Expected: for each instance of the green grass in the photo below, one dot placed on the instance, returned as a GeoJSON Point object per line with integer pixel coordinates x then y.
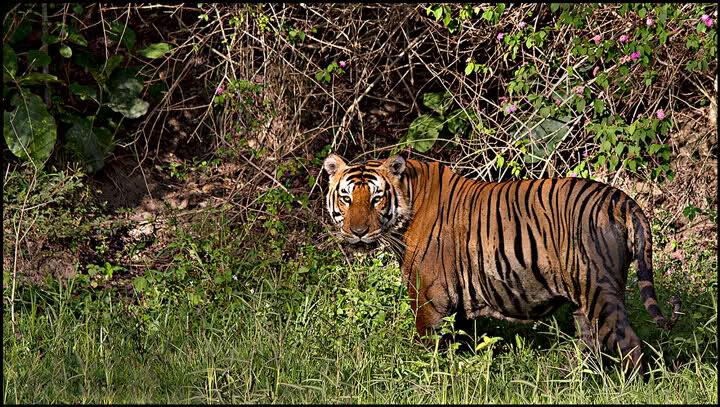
{"type": "Point", "coordinates": [318, 330]}
{"type": "Point", "coordinates": [240, 315]}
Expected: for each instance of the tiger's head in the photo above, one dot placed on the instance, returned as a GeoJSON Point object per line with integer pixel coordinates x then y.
{"type": "Point", "coordinates": [367, 201]}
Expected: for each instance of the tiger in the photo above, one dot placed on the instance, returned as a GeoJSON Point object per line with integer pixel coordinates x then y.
{"type": "Point", "coordinates": [513, 250]}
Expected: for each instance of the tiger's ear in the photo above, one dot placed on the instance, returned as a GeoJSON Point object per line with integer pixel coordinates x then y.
{"type": "Point", "coordinates": [395, 164]}
{"type": "Point", "coordinates": [333, 163]}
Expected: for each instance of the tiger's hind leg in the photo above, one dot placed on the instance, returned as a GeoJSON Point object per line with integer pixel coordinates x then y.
{"type": "Point", "coordinates": [614, 330]}
{"type": "Point", "coordinates": [586, 331]}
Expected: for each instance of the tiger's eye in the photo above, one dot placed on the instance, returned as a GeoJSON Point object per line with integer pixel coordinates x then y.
{"type": "Point", "coordinates": [345, 200]}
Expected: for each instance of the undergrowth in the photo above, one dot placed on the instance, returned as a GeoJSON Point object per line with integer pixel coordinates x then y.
{"type": "Point", "coordinates": [221, 326]}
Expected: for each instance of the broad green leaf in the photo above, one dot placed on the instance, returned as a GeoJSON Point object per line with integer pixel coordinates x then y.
{"type": "Point", "coordinates": [545, 137]}
{"type": "Point", "coordinates": [423, 132]}
{"type": "Point", "coordinates": [469, 68]}
{"type": "Point", "coordinates": [156, 50]}
{"type": "Point", "coordinates": [30, 131]}
{"type": "Point", "coordinates": [124, 89]}
{"type": "Point", "coordinates": [65, 51]}
{"type": "Point", "coordinates": [33, 78]}
{"type": "Point", "coordinates": [9, 63]}
{"type": "Point", "coordinates": [83, 91]}
{"type": "Point", "coordinates": [88, 146]}
{"type": "Point", "coordinates": [38, 58]}
{"type": "Point", "coordinates": [439, 102]}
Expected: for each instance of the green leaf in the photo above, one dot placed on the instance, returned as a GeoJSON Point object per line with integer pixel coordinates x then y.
{"type": "Point", "coordinates": [605, 146]}
{"type": "Point", "coordinates": [66, 51]}
{"type": "Point", "coordinates": [457, 121]}
{"type": "Point", "coordinates": [544, 138]}
{"type": "Point", "coordinates": [33, 78]}
{"type": "Point", "coordinates": [439, 102]}
{"type": "Point", "coordinates": [49, 39]}
{"type": "Point", "coordinates": [74, 36]}
{"type": "Point", "coordinates": [124, 89]}
{"type": "Point", "coordinates": [423, 132]}
{"type": "Point", "coordinates": [123, 34]}
{"type": "Point", "coordinates": [87, 146]}
{"type": "Point", "coordinates": [469, 68]}
{"type": "Point", "coordinates": [78, 9]}
{"type": "Point", "coordinates": [83, 91]}
{"type": "Point", "coordinates": [631, 128]}
{"type": "Point", "coordinates": [580, 104]}
{"type": "Point", "coordinates": [599, 106]}
{"type": "Point", "coordinates": [140, 283]}
{"type": "Point", "coordinates": [38, 58]}
{"type": "Point", "coordinates": [619, 148]}
{"type": "Point", "coordinates": [156, 50]}
{"type": "Point", "coordinates": [438, 13]}
{"type": "Point", "coordinates": [9, 62]}
{"type": "Point", "coordinates": [30, 131]}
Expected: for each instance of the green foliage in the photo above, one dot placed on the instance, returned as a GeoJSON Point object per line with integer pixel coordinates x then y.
{"type": "Point", "coordinates": [324, 75]}
{"type": "Point", "coordinates": [32, 130]}
{"type": "Point", "coordinates": [426, 128]}
{"type": "Point", "coordinates": [633, 146]}
{"type": "Point", "coordinates": [156, 50]}
{"type": "Point", "coordinates": [90, 146]}
{"type": "Point", "coordinates": [29, 130]}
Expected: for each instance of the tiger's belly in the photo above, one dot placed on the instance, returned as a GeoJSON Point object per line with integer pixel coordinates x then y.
{"type": "Point", "coordinates": [515, 295]}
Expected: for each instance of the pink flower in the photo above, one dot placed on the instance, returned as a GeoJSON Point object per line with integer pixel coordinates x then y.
{"type": "Point", "coordinates": [579, 90]}
{"type": "Point", "coordinates": [558, 102]}
{"type": "Point", "coordinates": [597, 39]}
{"type": "Point", "coordinates": [585, 154]}
{"type": "Point", "coordinates": [342, 64]}
{"type": "Point", "coordinates": [649, 22]}
{"type": "Point", "coordinates": [219, 90]}
{"type": "Point", "coordinates": [511, 109]}
{"type": "Point", "coordinates": [660, 114]}
{"type": "Point", "coordinates": [572, 174]}
{"type": "Point", "coordinates": [709, 22]}
{"type": "Point", "coordinates": [522, 25]}
{"type": "Point", "coordinates": [596, 70]}
{"type": "Point", "coordinates": [704, 18]}
{"type": "Point", "coordinates": [624, 38]}
{"type": "Point", "coordinates": [635, 55]}
{"type": "Point", "coordinates": [500, 36]}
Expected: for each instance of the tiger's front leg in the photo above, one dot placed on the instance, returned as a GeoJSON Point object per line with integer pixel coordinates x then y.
{"type": "Point", "coordinates": [428, 302]}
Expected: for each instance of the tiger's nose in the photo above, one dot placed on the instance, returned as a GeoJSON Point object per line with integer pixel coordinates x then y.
{"type": "Point", "coordinates": [360, 230]}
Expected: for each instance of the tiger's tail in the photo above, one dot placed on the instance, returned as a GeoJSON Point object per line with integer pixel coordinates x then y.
{"type": "Point", "coordinates": [642, 242]}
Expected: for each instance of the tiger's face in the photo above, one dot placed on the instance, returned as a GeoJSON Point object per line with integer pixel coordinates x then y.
{"type": "Point", "coordinates": [366, 201]}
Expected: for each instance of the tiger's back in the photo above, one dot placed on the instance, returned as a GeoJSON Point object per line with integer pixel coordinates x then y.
{"type": "Point", "coordinates": [517, 246]}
